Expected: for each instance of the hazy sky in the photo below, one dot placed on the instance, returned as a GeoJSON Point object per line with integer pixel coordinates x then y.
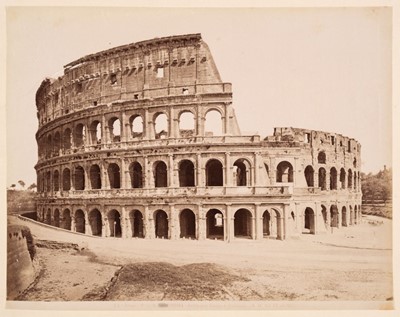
{"type": "Point", "coordinates": [323, 69]}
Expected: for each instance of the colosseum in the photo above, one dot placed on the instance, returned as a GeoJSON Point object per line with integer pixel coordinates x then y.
{"type": "Point", "coordinates": [116, 161]}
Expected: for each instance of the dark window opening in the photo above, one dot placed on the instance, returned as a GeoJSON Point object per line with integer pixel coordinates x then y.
{"type": "Point", "coordinates": [114, 175]}
{"type": "Point", "coordinates": [113, 79]}
{"type": "Point", "coordinates": [242, 223]}
{"type": "Point", "coordinates": [333, 179]}
{"type": "Point", "coordinates": [321, 158]}
{"type": "Point", "coordinates": [187, 222]}
{"type": "Point", "coordinates": [95, 177]}
{"type": "Point", "coordinates": [186, 174]}
{"type": "Point", "coordinates": [322, 178]}
{"type": "Point", "coordinates": [114, 222]}
{"type": "Point", "coordinates": [309, 175]}
{"type": "Point", "coordinates": [160, 174]}
{"type": "Point", "coordinates": [284, 172]}
{"type": "Point", "coordinates": [79, 178]}
{"type": "Point", "coordinates": [96, 223]}
{"type": "Point", "coordinates": [214, 173]}
{"type": "Point", "coordinates": [215, 224]}
{"type": "Point", "coordinates": [161, 224]}
{"type": "Point", "coordinates": [136, 174]}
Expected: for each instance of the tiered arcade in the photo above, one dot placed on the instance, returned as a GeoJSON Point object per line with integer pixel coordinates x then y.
{"type": "Point", "coordinates": [126, 150]}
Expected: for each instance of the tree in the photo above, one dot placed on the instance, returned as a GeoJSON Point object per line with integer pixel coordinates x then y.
{"type": "Point", "coordinates": [13, 186]}
{"type": "Point", "coordinates": [22, 183]}
{"type": "Point", "coordinates": [377, 186]}
{"type": "Point", "coordinates": [32, 186]}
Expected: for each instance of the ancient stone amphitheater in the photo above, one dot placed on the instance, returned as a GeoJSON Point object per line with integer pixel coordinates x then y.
{"type": "Point", "coordinates": [115, 159]}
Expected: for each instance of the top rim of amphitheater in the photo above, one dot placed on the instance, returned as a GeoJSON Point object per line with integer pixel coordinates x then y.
{"type": "Point", "coordinates": [157, 41]}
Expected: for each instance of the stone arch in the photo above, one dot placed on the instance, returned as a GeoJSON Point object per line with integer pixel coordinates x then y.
{"type": "Point", "coordinates": [136, 222]}
{"type": "Point", "coordinates": [309, 175]}
{"type": "Point", "coordinates": [161, 224]}
{"type": "Point", "coordinates": [66, 179]}
{"type": "Point", "coordinates": [214, 173]}
{"type": "Point", "coordinates": [160, 173]}
{"type": "Point", "coordinates": [355, 163]}
{"type": "Point", "coordinates": [215, 224]}
{"type": "Point", "coordinates": [333, 179]}
{"type": "Point", "coordinates": [96, 222]}
{"type": "Point", "coordinates": [186, 173]}
{"type": "Point", "coordinates": [48, 217]}
{"type": "Point", "coordinates": [66, 222]}
{"type": "Point", "coordinates": [213, 122]}
{"type": "Point", "coordinates": [342, 178]}
{"type": "Point", "coordinates": [79, 135]}
{"type": "Point", "coordinates": [95, 176]}
{"type": "Point", "coordinates": [186, 124]}
{"type": "Point", "coordinates": [114, 223]}
{"type": "Point", "coordinates": [114, 175]}
{"type": "Point", "coordinates": [79, 216]}
{"type": "Point", "coordinates": [67, 139]}
{"type": "Point", "coordinates": [95, 132]}
{"type": "Point", "coordinates": [160, 120]}
{"type": "Point", "coordinates": [242, 172]}
{"type": "Point", "coordinates": [349, 179]}
{"type": "Point", "coordinates": [49, 146]}
{"type": "Point", "coordinates": [324, 216]}
{"type": "Point", "coordinates": [321, 157]}
{"type": "Point", "coordinates": [114, 128]}
{"type": "Point", "coordinates": [56, 218]}
{"type": "Point", "coordinates": [187, 223]}
{"type": "Point", "coordinates": [79, 178]}
{"type": "Point", "coordinates": [136, 175]}
{"type": "Point", "coordinates": [284, 172]}
{"type": "Point", "coordinates": [243, 223]}
{"type": "Point", "coordinates": [272, 227]}
{"type": "Point", "coordinates": [322, 178]}
{"type": "Point", "coordinates": [48, 181]}
{"type": "Point", "coordinates": [334, 215]}
{"type": "Point", "coordinates": [57, 143]}
{"type": "Point", "coordinates": [136, 125]}
{"type": "Point", "coordinates": [56, 181]}
{"type": "Point", "coordinates": [309, 221]}
{"type": "Point", "coordinates": [344, 217]}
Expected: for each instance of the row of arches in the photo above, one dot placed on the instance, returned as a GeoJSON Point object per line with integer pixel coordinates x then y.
{"type": "Point", "coordinates": [111, 223]}
{"type": "Point", "coordinates": [349, 179]}
{"type": "Point", "coordinates": [112, 130]}
{"type": "Point", "coordinates": [321, 158]}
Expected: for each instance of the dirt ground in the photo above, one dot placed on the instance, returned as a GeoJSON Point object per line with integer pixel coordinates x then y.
{"type": "Point", "coordinates": [349, 264]}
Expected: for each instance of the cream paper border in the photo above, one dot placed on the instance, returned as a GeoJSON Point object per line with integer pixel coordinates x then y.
{"type": "Point", "coordinates": [216, 308]}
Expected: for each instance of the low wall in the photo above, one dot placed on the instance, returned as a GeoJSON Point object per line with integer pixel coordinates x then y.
{"type": "Point", "coordinates": [20, 271]}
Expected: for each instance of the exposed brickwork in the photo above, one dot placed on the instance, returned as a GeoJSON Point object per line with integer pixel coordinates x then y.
{"type": "Point", "coordinates": [99, 177]}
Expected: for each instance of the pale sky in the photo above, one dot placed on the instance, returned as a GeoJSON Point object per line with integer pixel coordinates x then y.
{"type": "Point", "coordinates": [322, 69]}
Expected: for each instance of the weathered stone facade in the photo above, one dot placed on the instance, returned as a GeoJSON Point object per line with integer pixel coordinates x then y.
{"type": "Point", "coordinates": [104, 169]}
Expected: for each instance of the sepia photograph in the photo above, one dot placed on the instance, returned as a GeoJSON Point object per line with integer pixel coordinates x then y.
{"type": "Point", "coordinates": [199, 158]}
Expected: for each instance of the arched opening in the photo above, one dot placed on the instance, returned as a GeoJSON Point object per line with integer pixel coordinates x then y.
{"type": "Point", "coordinates": [66, 223]}
{"type": "Point", "coordinates": [351, 215]}
{"type": "Point", "coordinates": [136, 221]}
{"type": "Point", "coordinates": [160, 174]}
{"type": "Point", "coordinates": [242, 223]}
{"type": "Point", "coordinates": [114, 223]}
{"type": "Point", "coordinates": [79, 178]}
{"type": "Point", "coordinates": [334, 216]}
{"type": "Point", "coordinates": [214, 173]}
{"type": "Point", "coordinates": [355, 163]}
{"type": "Point", "coordinates": [349, 179]}
{"type": "Point", "coordinates": [136, 175]}
{"type": "Point", "coordinates": [56, 181]}
{"type": "Point", "coordinates": [213, 123]}
{"type": "Point", "coordinates": [57, 143]}
{"type": "Point", "coordinates": [215, 224]}
{"type": "Point", "coordinates": [161, 227]}
{"type": "Point", "coordinates": [272, 224]}
{"type": "Point", "coordinates": [96, 223]}
{"type": "Point", "coordinates": [186, 173]}
{"type": "Point", "coordinates": [324, 215]}
{"type": "Point", "coordinates": [241, 172]}
{"type": "Point", "coordinates": [79, 135]}
{"type": "Point", "coordinates": [344, 217]}
{"type": "Point", "coordinates": [79, 221]}
{"type": "Point", "coordinates": [49, 146]}
{"type": "Point", "coordinates": [66, 181]}
{"type": "Point", "coordinates": [284, 172]}
{"type": "Point", "coordinates": [356, 215]}
{"type": "Point", "coordinates": [95, 132]}
{"type": "Point", "coordinates": [342, 178]}
{"type": "Point", "coordinates": [186, 125]}
{"type": "Point", "coordinates": [136, 124]}
{"type": "Point", "coordinates": [309, 175]}
{"type": "Point", "coordinates": [187, 222]}
{"type": "Point", "coordinates": [48, 217]}
{"type": "Point", "coordinates": [57, 218]}
{"type": "Point", "coordinates": [67, 142]}
{"type": "Point", "coordinates": [160, 126]}
{"type": "Point", "coordinates": [322, 178]}
{"type": "Point", "coordinates": [48, 181]}
{"type": "Point", "coordinates": [95, 177]}
{"type": "Point", "coordinates": [309, 221]}
{"type": "Point", "coordinates": [321, 158]}
{"type": "Point", "coordinates": [114, 175]}
{"type": "Point", "coordinates": [333, 179]}
{"type": "Point", "coordinates": [355, 181]}
{"type": "Point", "coordinates": [114, 127]}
